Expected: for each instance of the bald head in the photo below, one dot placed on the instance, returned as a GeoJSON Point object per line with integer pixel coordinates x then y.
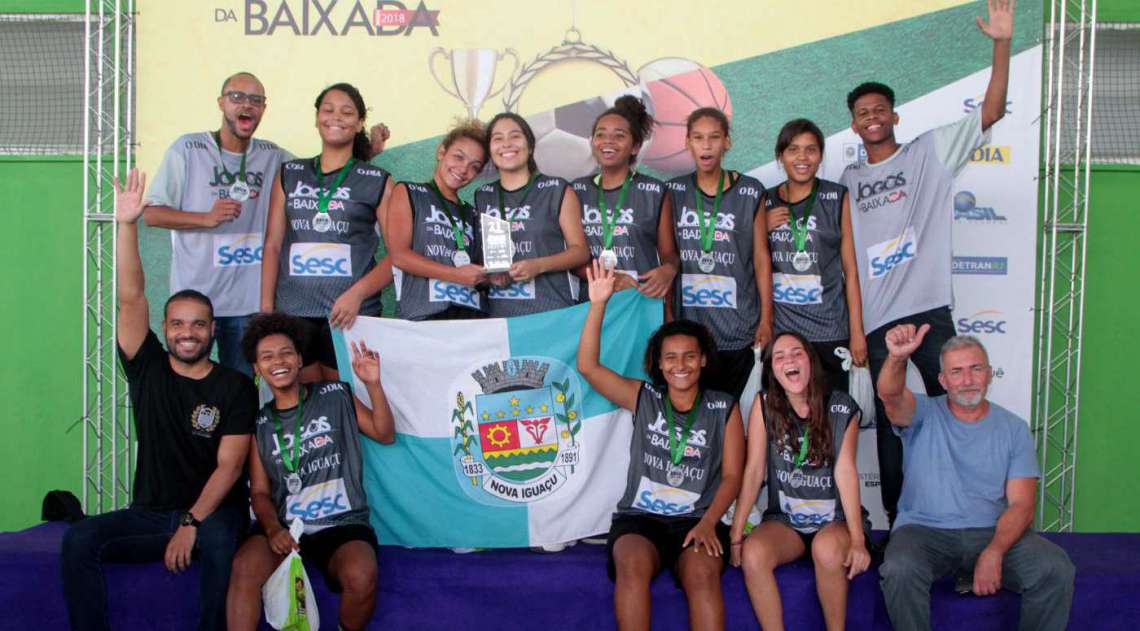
{"type": "Point", "coordinates": [248, 76]}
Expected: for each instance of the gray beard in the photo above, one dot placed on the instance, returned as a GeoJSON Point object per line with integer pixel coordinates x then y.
{"type": "Point", "coordinates": [967, 401]}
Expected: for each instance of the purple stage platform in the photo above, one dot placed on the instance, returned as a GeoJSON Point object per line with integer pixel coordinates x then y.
{"type": "Point", "coordinates": [518, 589]}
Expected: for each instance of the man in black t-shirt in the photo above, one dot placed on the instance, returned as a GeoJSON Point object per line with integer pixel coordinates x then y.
{"type": "Point", "coordinates": [193, 421]}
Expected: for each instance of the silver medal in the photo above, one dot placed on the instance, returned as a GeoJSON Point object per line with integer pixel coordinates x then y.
{"type": "Point", "coordinates": [609, 260]}
{"type": "Point", "coordinates": [293, 483]}
{"type": "Point", "coordinates": [801, 261]}
{"type": "Point", "coordinates": [707, 263]}
{"type": "Point", "coordinates": [675, 475]}
{"type": "Point", "coordinates": [322, 222]}
{"type": "Point", "coordinates": [461, 258]}
{"type": "Point", "coordinates": [239, 190]}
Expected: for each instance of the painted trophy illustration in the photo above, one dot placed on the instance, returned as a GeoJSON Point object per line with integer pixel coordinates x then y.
{"type": "Point", "coordinates": [473, 73]}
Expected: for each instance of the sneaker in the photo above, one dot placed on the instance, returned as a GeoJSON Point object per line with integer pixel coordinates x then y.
{"type": "Point", "coordinates": [553, 547]}
{"type": "Point", "coordinates": [594, 541]}
{"type": "Point", "coordinates": [465, 550]}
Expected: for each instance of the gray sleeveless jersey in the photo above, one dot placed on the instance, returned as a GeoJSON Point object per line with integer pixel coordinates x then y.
{"type": "Point", "coordinates": [331, 465]}
{"type": "Point", "coordinates": [812, 302]}
{"type": "Point", "coordinates": [902, 217]}
{"type": "Point", "coordinates": [536, 233]}
{"type": "Point", "coordinates": [726, 299]}
{"type": "Point", "coordinates": [317, 267]}
{"type": "Point", "coordinates": [223, 262]}
{"type": "Point", "coordinates": [635, 228]}
{"type": "Point", "coordinates": [807, 498]}
{"type": "Point", "coordinates": [648, 489]}
{"type": "Point", "coordinates": [433, 237]}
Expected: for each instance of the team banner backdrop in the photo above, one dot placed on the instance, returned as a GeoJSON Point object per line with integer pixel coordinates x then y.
{"type": "Point", "coordinates": [421, 63]}
{"type": "Point", "coordinates": [499, 441]}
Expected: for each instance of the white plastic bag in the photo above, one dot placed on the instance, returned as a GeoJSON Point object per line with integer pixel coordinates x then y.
{"type": "Point", "coordinates": [288, 596]}
{"type": "Point", "coordinates": [859, 386]}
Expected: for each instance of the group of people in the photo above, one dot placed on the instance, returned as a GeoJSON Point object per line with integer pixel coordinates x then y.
{"type": "Point", "coordinates": [270, 253]}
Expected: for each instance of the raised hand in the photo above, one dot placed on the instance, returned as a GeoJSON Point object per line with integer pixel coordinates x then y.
{"type": "Point", "coordinates": [365, 363]}
{"type": "Point", "coordinates": [1000, 25]}
{"type": "Point", "coordinates": [601, 282]}
{"type": "Point", "coordinates": [377, 137]}
{"type": "Point", "coordinates": [129, 199]}
{"type": "Point", "coordinates": [904, 339]}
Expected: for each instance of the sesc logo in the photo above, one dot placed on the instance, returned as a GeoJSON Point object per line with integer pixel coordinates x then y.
{"type": "Point", "coordinates": [887, 255]}
{"type": "Point", "coordinates": [514, 291]}
{"type": "Point", "coordinates": [988, 321]}
{"type": "Point", "coordinates": [797, 289]}
{"type": "Point", "coordinates": [699, 291]}
{"type": "Point", "coordinates": [966, 209]}
{"type": "Point", "coordinates": [992, 154]}
{"type": "Point", "coordinates": [320, 259]}
{"type": "Point", "coordinates": [661, 499]}
{"type": "Point", "coordinates": [887, 184]}
{"type": "Point", "coordinates": [236, 250]}
{"type": "Point", "coordinates": [971, 104]}
{"type": "Point", "coordinates": [443, 291]}
{"type": "Point", "coordinates": [319, 501]}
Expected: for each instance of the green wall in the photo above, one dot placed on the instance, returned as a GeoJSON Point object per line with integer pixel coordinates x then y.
{"type": "Point", "coordinates": [42, 383]}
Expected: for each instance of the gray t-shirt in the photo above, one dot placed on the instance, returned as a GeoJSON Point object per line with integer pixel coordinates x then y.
{"type": "Point", "coordinates": [954, 473]}
{"type": "Point", "coordinates": [901, 214]}
{"type": "Point", "coordinates": [635, 226]}
{"type": "Point", "coordinates": [317, 267]}
{"type": "Point", "coordinates": [433, 237]}
{"type": "Point", "coordinates": [726, 299]}
{"type": "Point", "coordinates": [536, 233]}
{"type": "Point", "coordinates": [806, 498]}
{"type": "Point", "coordinates": [648, 489]}
{"type": "Point", "coordinates": [223, 262]}
{"type": "Point", "coordinates": [331, 462]}
{"type": "Point", "coordinates": [812, 302]}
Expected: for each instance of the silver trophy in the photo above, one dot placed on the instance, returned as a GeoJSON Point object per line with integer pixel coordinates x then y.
{"type": "Point", "coordinates": [498, 249]}
{"type": "Point", "coordinates": [472, 74]}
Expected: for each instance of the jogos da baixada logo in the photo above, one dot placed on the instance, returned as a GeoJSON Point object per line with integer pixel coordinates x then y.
{"type": "Point", "coordinates": [515, 428]}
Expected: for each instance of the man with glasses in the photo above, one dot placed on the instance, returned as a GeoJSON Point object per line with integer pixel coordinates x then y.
{"type": "Point", "coordinates": [212, 192]}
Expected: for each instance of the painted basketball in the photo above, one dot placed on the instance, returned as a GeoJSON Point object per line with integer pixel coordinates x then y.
{"type": "Point", "coordinates": [678, 86]}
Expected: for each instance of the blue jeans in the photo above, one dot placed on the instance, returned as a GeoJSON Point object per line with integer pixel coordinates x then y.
{"type": "Point", "coordinates": [137, 535]}
{"type": "Point", "coordinates": [228, 338]}
{"type": "Point", "coordinates": [926, 359]}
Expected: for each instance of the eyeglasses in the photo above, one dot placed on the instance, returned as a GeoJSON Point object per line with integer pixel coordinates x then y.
{"type": "Point", "coordinates": [238, 97]}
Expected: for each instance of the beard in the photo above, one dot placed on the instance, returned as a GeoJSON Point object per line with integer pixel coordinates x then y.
{"type": "Point", "coordinates": [203, 351]}
{"type": "Point", "coordinates": [967, 399]}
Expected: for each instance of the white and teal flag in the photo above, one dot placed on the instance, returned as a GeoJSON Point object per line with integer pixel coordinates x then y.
{"type": "Point", "coordinates": [499, 440]}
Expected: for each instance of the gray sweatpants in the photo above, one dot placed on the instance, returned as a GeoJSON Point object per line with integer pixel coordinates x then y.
{"type": "Point", "coordinates": [918, 555]}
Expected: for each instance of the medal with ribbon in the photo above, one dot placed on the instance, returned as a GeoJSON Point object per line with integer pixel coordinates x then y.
{"type": "Point", "coordinates": [676, 474]}
{"type": "Point", "coordinates": [706, 262]}
{"type": "Point", "coordinates": [608, 257]}
{"type": "Point", "coordinates": [321, 221]}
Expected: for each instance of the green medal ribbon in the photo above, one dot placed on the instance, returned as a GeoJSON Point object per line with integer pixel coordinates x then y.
{"type": "Point", "coordinates": [609, 218]}
{"type": "Point", "coordinates": [677, 447]}
{"type": "Point", "coordinates": [290, 458]}
{"type": "Point", "coordinates": [456, 225]}
{"type": "Point", "coordinates": [525, 190]}
{"type": "Point", "coordinates": [799, 226]}
{"type": "Point", "coordinates": [325, 195]}
{"type": "Point", "coordinates": [800, 457]}
{"type": "Point", "coordinates": [225, 171]}
{"type": "Point", "coordinates": [707, 220]}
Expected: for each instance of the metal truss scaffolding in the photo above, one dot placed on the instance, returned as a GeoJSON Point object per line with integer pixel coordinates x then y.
{"type": "Point", "coordinates": [108, 73]}
{"type": "Point", "coordinates": [1070, 46]}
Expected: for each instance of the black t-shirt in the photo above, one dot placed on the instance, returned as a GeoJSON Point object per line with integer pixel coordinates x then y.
{"type": "Point", "coordinates": [179, 424]}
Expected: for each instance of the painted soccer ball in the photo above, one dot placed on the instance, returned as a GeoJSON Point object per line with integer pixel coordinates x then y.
{"type": "Point", "coordinates": [562, 135]}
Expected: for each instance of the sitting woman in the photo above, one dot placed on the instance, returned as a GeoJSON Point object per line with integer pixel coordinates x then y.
{"type": "Point", "coordinates": [803, 439]}
{"type": "Point", "coordinates": [288, 477]}
{"type": "Point", "coordinates": [684, 468]}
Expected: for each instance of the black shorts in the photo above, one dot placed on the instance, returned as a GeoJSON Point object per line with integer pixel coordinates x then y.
{"type": "Point", "coordinates": [319, 343]}
{"type": "Point", "coordinates": [319, 547]}
{"type": "Point", "coordinates": [666, 534]}
{"type": "Point", "coordinates": [808, 537]}
{"type": "Point", "coordinates": [730, 370]}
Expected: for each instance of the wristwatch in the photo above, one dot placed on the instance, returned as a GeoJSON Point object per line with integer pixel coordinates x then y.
{"type": "Point", "coordinates": [187, 519]}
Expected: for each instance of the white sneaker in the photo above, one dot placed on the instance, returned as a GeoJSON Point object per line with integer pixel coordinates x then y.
{"type": "Point", "coordinates": [553, 547]}
{"type": "Point", "coordinates": [594, 541]}
{"type": "Point", "coordinates": [465, 550]}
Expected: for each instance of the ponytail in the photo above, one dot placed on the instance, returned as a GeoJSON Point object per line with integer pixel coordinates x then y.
{"type": "Point", "coordinates": [361, 147]}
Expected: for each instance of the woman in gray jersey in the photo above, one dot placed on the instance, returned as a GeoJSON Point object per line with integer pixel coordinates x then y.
{"type": "Point", "coordinates": [627, 216]}
{"type": "Point", "coordinates": [726, 279]}
{"type": "Point", "coordinates": [434, 237]}
{"type": "Point", "coordinates": [685, 463]}
{"type": "Point", "coordinates": [815, 279]}
{"type": "Point", "coordinates": [546, 225]}
{"type": "Point", "coordinates": [802, 437]}
{"type": "Point", "coordinates": [320, 242]}
{"type": "Point", "coordinates": [306, 463]}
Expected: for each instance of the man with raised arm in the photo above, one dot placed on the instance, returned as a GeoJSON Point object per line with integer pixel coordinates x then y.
{"type": "Point", "coordinates": [968, 497]}
{"type": "Point", "coordinates": [193, 421]}
{"type": "Point", "coordinates": [901, 218]}
{"type": "Point", "coordinates": [212, 192]}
